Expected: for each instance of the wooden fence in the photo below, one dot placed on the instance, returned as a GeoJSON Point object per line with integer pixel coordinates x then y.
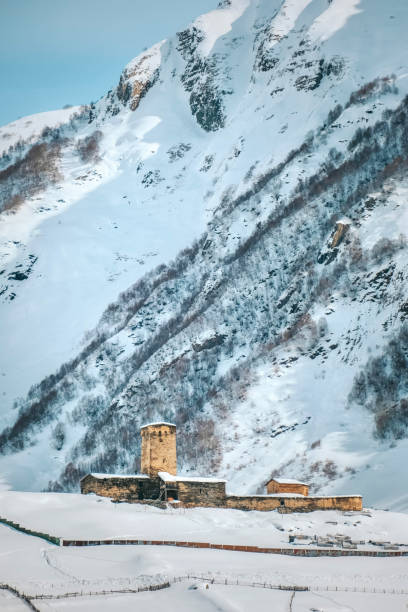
{"type": "Point", "coordinates": [25, 598]}
{"type": "Point", "coordinates": [210, 580]}
{"type": "Point", "coordinates": [141, 589]}
{"type": "Point", "coordinates": [287, 587]}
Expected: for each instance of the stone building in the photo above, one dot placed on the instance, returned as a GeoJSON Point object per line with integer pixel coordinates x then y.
{"type": "Point", "coordinates": [132, 487]}
{"type": "Point", "coordinates": [159, 481]}
{"type": "Point", "coordinates": [159, 452]}
{"type": "Point", "coordinates": [159, 484]}
{"type": "Point", "coordinates": [191, 491]}
{"type": "Point", "coordinates": [286, 485]}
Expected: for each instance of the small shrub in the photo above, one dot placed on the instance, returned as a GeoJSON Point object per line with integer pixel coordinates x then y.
{"type": "Point", "coordinates": [384, 248]}
{"type": "Point", "coordinates": [329, 469]}
{"type": "Point", "coordinates": [88, 148]}
{"type": "Point", "coordinates": [377, 87]}
{"type": "Point", "coordinates": [58, 436]}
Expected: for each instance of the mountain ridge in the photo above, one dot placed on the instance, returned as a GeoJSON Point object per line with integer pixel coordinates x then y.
{"type": "Point", "coordinates": [267, 169]}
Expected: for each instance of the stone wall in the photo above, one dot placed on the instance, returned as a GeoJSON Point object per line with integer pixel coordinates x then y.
{"type": "Point", "coordinates": [192, 494]}
{"type": "Point", "coordinates": [117, 488]}
{"type": "Point", "coordinates": [252, 502]}
{"type": "Point", "coordinates": [286, 487]}
{"type": "Point", "coordinates": [159, 453]}
{"type": "Point", "coordinates": [294, 504]}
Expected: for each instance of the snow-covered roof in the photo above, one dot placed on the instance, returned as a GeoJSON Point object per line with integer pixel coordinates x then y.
{"type": "Point", "coordinates": [287, 481]}
{"type": "Point", "coordinates": [334, 496]}
{"type": "Point", "coordinates": [101, 476]}
{"type": "Point", "coordinates": [267, 496]}
{"type": "Point", "coordinates": [158, 423]}
{"type": "Point", "coordinates": [166, 477]}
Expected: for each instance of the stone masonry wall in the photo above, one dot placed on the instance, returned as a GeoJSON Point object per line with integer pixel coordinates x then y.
{"type": "Point", "coordinates": [276, 487]}
{"type": "Point", "coordinates": [159, 453]}
{"type": "Point", "coordinates": [204, 494]}
{"type": "Point", "coordinates": [121, 488]}
{"type": "Point", "coordinates": [192, 494]}
{"type": "Point", "coordinates": [294, 504]}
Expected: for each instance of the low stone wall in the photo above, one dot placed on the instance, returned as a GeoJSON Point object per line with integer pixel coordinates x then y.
{"type": "Point", "coordinates": [297, 552]}
{"type": "Point", "coordinates": [252, 502]}
{"type": "Point", "coordinates": [156, 503]}
{"type": "Point", "coordinates": [191, 494]}
{"type": "Point", "coordinates": [215, 498]}
{"type": "Point", "coordinates": [339, 502]}
{"type": "Point", "coordinates": [294, 504]}
{"type": "Point", "coordinates": [38, 534]}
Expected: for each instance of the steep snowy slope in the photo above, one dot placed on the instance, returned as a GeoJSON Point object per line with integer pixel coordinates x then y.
{"type": "Point", "coordinates": [248, 176]}
{"type": "Point", "coordinates": [29, 129]}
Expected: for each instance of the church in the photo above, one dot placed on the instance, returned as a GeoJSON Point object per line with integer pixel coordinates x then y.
{"type": "Point", "coordinates": [159, 484]}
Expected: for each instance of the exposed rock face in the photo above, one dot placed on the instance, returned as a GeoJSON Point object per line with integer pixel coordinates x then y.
{"type": "Point", "coordinates": [138, 77]}
{"type": "Point", "coordinates": [200, 81]}
{"type": "Point", "coordinates": [341, 229]}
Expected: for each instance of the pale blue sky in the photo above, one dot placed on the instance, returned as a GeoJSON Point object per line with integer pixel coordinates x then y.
{"type": "Point", "coordinates": [57, 52]}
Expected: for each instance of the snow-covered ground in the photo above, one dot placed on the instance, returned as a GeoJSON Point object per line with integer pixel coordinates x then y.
{"type": "Point", "coordinates": [36, 568]}
{"type": "Point", "coordinates": [29, 128]}
{"type": "Point", "coordinates": [75, 516]}
{"type": "Point", "coordinates": [181, 598]}
{"type": "Point", "coordinates": [279, 77]}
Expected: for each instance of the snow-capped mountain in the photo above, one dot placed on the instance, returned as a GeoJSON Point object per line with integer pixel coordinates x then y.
{"type": "Point", "coordinates": [219, 241]}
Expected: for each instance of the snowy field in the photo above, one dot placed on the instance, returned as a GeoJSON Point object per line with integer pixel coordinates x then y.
{"type": "Point", "coordinates": [87, 517]}
{"type": "Point", "coordinates": [232, 599]}
{"type": "Point", "coordinates": [37, 568]}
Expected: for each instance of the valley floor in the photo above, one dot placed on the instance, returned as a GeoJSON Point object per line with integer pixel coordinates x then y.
{"type": "Point", "coordinates": [37, 568]}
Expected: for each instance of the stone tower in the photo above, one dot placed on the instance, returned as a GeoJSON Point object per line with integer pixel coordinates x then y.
{"type": "Point", "coordinates": [159, 452]}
